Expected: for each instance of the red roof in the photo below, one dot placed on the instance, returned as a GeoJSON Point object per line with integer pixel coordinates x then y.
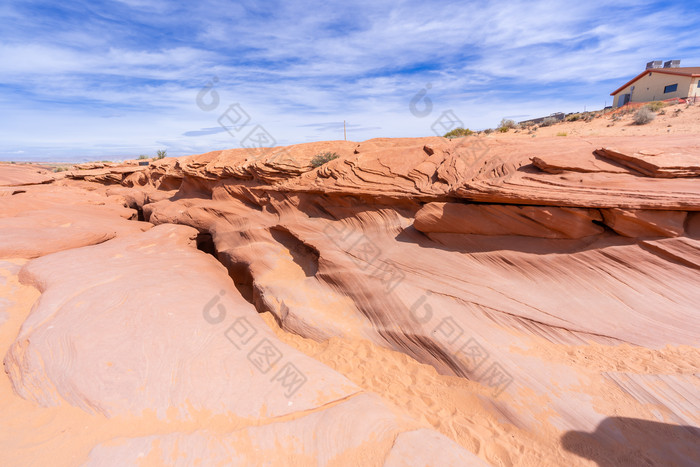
{"type": "Point", "coordinates": [692, 71]}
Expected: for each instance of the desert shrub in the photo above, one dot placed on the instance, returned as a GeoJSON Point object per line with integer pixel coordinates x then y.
{"type": "Point", "coordinates": [143, 156]}
{"type": "Point", "coordinates": [573, 117]}
{"type": "Point", "coordinates": [457, 132]}
{"type": "Point", "coordinates": [488, 131]}
{"type": "Point", "coordinates": [655, 105]}
{"type": "Point", "coordinates": [508, 123]}
{"type": "Point", "coordinates": [643, 116]}
{"type": "Point", "coordinates": [160, 154]}
{"type": "Point", "coordinates": [561, 133]}
{"type": "Point", "coordinates": [60, 169]}
{"type": "Point", "coordinates": [321, 158]}
{"type": "Point", "coordinates": [549, 121]}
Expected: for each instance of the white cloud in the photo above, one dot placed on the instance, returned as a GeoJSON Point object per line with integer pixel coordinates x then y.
{"type": "Point", "coordinates": [109, 81]}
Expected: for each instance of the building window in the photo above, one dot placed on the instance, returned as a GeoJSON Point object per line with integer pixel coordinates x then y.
{"type": "Point", "coordinates": [671, 88]}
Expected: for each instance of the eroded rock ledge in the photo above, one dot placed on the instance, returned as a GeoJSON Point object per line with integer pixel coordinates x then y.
{"type": "Point", "coordinates": [557, 278]}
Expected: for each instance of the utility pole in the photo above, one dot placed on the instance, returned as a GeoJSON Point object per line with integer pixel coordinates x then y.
{"type": "Point", "coordinates": [345, 133]}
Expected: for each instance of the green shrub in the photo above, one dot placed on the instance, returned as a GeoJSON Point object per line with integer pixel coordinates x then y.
{"type": "Point", "coordinates": [143, 156]}
{"type": "Point", "coordinates": [573, 117]}
{"type": "Point", "coordinates": [644, 116]}
{"type": "Point", "coordinates": [506, 124]}
{"type": "Point", "coordinates": [458, 132]}
{"type": "Point", "coordinates": [510, 124]}
{"type": "Point", "coordinates": [160, 154]}
{"type": "Point", "coordinates": [655, 105]}
{"type": "Point", "coordinates": [321, 158]}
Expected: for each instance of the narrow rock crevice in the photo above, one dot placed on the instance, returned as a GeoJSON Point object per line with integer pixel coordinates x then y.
{"type": "Point", "coordinates": [205, 243]}
{"type": "Point", "coordinates": [303, 255]}
{"type": "Point", "coordinates": [239, 272]}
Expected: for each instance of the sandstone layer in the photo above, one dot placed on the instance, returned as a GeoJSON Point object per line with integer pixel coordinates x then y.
{"type": "Point", "coordinates": [411, 302]}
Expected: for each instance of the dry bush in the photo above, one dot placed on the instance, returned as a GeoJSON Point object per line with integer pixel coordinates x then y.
{"type": "Point", "coordinates": [508, 124]}
{"type": "Point", "coordinates": [644, 116]}
{"type": "Point", "coordinates": [321, 158]}
{"type": "Point", "coordinates": [655, 106]}
{"type": "Point", "coordinates": [457, 132]}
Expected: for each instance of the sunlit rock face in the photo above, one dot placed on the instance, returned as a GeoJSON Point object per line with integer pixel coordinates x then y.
{"type": "Point", "coordinates": [410, 302]}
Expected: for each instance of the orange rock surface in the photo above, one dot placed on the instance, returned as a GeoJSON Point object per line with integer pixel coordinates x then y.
{"type": "Point", "coordinates": [489, 300]}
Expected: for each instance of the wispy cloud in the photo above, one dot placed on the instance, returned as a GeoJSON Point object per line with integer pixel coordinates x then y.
{"type": "Point", "coordinates": [205, 131]}
{"type": "Point", "coordinates": [119, 78]}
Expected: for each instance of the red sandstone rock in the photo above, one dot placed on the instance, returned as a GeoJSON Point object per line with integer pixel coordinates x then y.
{"type": "Point", "coordinates": [531, 221]}
{"type": "Point", "coordinates": [576, 161]}
{"type": "Point", "coordinates": [105, 175]}
{"type": "Point", "coordinates": [505, 325]}
{"type": "Point", "coordinates": [359, 431]}
{"type": "Point", "coordinates": [661, 163]}
{"type": "Point", "coordinates": [24, 174]}
{"type": "Point", "coordinates": [645, 223]}
{"type": "Point", "coordinates": [183, 332]}
{"type": "Point", "coordinates": [148, 323]}
{"type": "Point", "coordinates": [36, 222]}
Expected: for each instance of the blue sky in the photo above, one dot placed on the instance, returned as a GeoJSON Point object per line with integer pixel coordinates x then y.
{"type": "Point", "coordinates": [112, 79]}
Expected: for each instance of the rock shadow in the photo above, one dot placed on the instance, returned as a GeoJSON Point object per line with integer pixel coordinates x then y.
{"type": "Point", "coordinates": [463, 243]}
{"type": "Point", "coordinates": [622, 441]}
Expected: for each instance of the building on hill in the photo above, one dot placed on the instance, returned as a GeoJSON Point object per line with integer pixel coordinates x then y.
{"type": "Point", "coordinates": [660, 83]}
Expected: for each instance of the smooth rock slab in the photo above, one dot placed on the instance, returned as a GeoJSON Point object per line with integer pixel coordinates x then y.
{"type": "Point", "coordinates": [24, 174]}
{"type": "Point", "coordinates": [408, 450]}
{"type": "Point", "coordinates": [359, 431]}
{"type": "Point", "coordinates": [645, 223]}
{"type": "Point", "coordinates": [149, 323]}
{"type": "Point", "coordinates": [531, 221]}
{"type": "Point", "coordinates": [39, 222]}
{"type": "Point", "coordinates": [575, 161]}
{"type": "Point", "coordinates": [659, 163]}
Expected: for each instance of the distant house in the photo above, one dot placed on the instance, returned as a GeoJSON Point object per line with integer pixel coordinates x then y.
{"type": "Point", "coordinates": [659, 83]}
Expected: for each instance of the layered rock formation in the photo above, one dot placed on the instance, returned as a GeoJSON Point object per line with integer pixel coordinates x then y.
{"type": "Point", "coordinates": [23, 174]}
{"type": "Point", "coordinates": [450, 302]}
